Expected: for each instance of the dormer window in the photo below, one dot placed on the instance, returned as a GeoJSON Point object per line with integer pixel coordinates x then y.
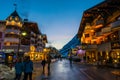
{"type": "Point", "coordinates": [16, 18]}
{"type": "Point", "coordinates": [10, 17]}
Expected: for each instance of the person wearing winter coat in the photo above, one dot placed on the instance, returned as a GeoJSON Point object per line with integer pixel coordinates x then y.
{"type": "Point", "coordinates": [28, 68]}
{"type": "Point", "coordinates": [49, 62]}
{"type": "Point", "coordinates": [43, 65]}
{"type": "Point", "coordinates": [18, 69]}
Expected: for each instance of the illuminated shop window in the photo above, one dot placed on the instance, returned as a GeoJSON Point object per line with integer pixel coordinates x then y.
{"type": "Point", "coordinates": [7, 43]}
{"type": "Point", "coordinates": [16, 18]}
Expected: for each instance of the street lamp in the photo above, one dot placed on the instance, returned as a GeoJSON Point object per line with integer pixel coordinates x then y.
{"type": "Point", "coordinates": [24, 33]}
{"type": "Point", "coordinates": [19, 44]}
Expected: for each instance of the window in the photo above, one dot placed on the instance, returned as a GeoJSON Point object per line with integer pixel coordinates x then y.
{"type": "Point", "coordinates": [0, 34]}
{"type": "Point", "coordinates": [86, 35]}
{"type": "Point", "coordinates": [10, 17]}
{"type": "Point", "coordinates": [0, 45]}
{"type": "Point", "coordinates": [16, 19]}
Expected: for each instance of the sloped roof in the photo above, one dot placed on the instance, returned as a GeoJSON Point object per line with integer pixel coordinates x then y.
{"type": "Point", "coordinates": [105, 9]}
{"type": "Point", "coordinates": [14, 14]}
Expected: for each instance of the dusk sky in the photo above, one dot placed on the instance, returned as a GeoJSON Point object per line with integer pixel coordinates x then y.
{"type": "Point", "coordinates": [58, 19]}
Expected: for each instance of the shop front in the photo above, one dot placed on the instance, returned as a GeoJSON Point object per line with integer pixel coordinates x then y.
{"type": "Point", "coordinates": [9, 57]}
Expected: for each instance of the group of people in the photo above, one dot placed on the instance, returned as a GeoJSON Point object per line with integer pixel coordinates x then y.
{"type": "Point", "coordinates": [23, 66]}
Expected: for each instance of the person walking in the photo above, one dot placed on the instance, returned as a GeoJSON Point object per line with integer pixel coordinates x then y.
{"type": "Point", "coordinates": [70, 59]}
{"type": "Point", "coordinates": [28, 68]}
{"type": "Point", "coordinates": [49, 62]}
{"type": "Point", "coordinates": [43, 65]}
{"type": "Point", "coordinates": [18, 69]}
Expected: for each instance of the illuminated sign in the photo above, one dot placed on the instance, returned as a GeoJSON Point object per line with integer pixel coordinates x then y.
{"type": "Point", "coordinates": [32, 48]}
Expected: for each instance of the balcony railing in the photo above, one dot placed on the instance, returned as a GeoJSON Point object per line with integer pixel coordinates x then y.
{"type": "Point", "coordinates": [115, 24]}
{"type": "Point", "coordinates": [11, 30]}
{"type": "Point", "coordinates": [99, 22]}
{"type": "Point", "coordinates": [106, 30]}
{"type": "Point", "coordinates": [14, 48]}
{"type": "Point", "coordinates": [98, 34]}
{"type": "Point", "coordinates": [89, 46]}
{"type": "Point", "coordinates": [92, 46]}
{"type": "Point", "coordinates": [11, 40]}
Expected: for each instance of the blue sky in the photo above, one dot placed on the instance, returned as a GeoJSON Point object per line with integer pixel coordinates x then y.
{"type": "Point", "coordinates": [58, 19]}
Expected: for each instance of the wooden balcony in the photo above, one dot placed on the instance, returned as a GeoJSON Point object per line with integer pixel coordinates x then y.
{"type": "Point", "coordinates": [92, 46]}
{"type": "Point", "coordinates": [99, 22]}
{"type": "Point", "coordinates": [106, 30]}
{"type": "Point", "coordinates": [11, 40]}
{"type": "Point", "coordinates": [115, 24]}
{"type": "Point", "coordinates": [89, 46]}
{"type": "Point", "coordinates": [98, 34]}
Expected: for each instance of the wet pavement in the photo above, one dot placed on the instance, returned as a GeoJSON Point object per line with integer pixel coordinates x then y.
{"type": "Point", "coordinates": [62, 70]}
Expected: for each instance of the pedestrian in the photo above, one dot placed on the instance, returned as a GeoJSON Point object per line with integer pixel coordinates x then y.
{"type": "Point", "coordinates": [70, 59]}
{"type": "Point", "coordinates": [49, 62]}
{"type": "Point", "coordinates": [28, 68]}
{"type": "Point", "coordinates": [43, 65]}
{"type": "Point", "coordinates": [18, 69]}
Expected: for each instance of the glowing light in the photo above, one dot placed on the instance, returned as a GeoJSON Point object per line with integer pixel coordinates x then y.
{"type": "Point", "coordinates": [8, 44]}
{"type": "Point", "coordinates": [115, 61]}
{"type": "Point", "coordinates": [13, 22]}
{"type": "Point", "coordinates": [24, 33]}
{"type": "Point", "coordinates": [118, 53]}
{"type": "Point", "coordinates": [32, 48]}
{"type": "Point", "coordinates": [81, 51]}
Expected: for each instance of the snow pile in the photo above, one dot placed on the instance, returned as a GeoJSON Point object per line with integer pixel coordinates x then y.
{"type": "Point", "coordinates": [6, 73]}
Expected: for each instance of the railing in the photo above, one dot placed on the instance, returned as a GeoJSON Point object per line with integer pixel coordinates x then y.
{"type": "Point", "coordinates": [11, 40]}
{"type": "Point", "coordinates": [106, 30]}
{"type": "Point", "coordinates": [98, 34]}
{"type": "Point", "coordinates": [13, 48]}
{"type": "Point", "coordinates": [92, 46]}
{"type": "Point", "coordinates": [115, 24]}
{"type": "Point", "coordinates": [99, 22]}
{"type": "Point", "coordinates": [11, 30]}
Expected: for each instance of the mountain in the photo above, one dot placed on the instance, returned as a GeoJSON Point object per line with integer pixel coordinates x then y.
{"type": "Point", "coordinates": [71, 44]}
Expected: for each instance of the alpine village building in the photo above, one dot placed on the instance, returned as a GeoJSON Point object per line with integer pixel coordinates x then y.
{"type": "Point", "coordinates": [12, 41]}
{"type": "Point", "coordinates": [99, 32]}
